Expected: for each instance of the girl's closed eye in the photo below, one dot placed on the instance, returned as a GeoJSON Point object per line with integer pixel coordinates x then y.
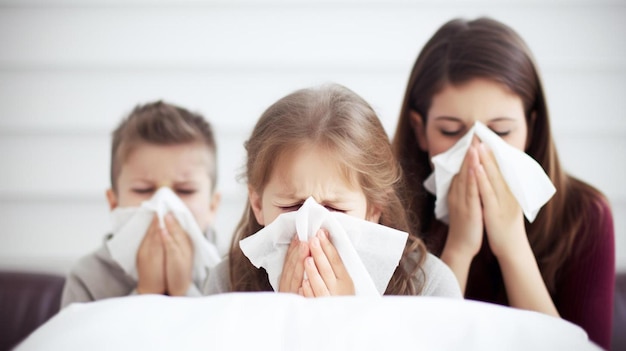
{"type": "Point", "coordinates": [334, 209]}
{"type": "Point", "coordinates": [290, 208]}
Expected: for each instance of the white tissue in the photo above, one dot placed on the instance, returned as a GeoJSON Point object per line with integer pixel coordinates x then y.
{"type": "Point", "coordinates": [370, 251]}
{"type": "Point", "coordinates": [525, 177]}
{"type": "Point", "coordinates": [131, 223]}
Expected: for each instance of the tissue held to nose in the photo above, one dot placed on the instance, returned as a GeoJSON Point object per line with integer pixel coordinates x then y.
{"type": "Point", "coordinates": [131, 224]}
{"type": "Point", "coordinates": [525, 178]}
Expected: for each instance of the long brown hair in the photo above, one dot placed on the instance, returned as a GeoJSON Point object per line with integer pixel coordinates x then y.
{"type": "Point", "coordinates": [337, 119]}
{"type": "Point", "coordinates": [484, 48]}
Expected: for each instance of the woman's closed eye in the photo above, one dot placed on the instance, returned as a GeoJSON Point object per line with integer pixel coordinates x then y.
{"type": "Point", "coordinates": [451, 132]}
{"type": "Point", "coordinates": [501, 133]}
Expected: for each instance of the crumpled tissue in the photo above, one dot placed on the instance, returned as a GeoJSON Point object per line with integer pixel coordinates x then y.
{"type": "Point", "coordinates": [526, 179]}
{"type": "Point", "coordinates": [130, 224]}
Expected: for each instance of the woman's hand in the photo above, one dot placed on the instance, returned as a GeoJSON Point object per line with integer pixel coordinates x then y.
{"type": "Point", "coordinates": [503, 217]}
{"type": "Point", "coordinates": [178, 257]}
{"type": "Point", "coordinates": [293, 269]}
{"type": "Point", "coordinates": [504, 221]}
{"type": "Point", "coordinates": [151, 261]}
{"type": "Point", "coordinates": [465, 233]}
{"type": "Point", "coordinates": [326, 274]}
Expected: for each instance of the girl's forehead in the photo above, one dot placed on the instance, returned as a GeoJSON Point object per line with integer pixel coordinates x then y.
{"type": "Point", "coordinates": [310, 163]}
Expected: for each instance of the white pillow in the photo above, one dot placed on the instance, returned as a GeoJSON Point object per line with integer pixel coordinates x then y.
{"type": "Point", "coordinates": [271, 321]}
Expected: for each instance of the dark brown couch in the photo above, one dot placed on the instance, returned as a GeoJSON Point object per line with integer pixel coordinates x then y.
{"type": "Point", "coordinates": [27, 300]}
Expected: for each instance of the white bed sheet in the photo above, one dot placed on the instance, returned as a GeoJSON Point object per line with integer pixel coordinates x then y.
{"type": "Point", "coordinates": [271, 321]}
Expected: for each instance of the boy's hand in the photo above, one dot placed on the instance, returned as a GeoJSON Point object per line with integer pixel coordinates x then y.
{"type": "Point", "coordinates": [151, 261]}
{"type": "Point", "coordinates": [326, 274]}
{"type": "Point", "coordinates": [178, 257]}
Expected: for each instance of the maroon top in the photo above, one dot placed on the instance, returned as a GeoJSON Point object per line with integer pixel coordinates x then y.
{"type": "Point", "coordinates": [584, 287]}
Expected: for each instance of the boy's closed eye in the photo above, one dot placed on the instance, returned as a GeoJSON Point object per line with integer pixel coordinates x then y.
{"type": "Point", "coordinates": [143, 191]}
{"type": "Point", "coordinates": [185, 191]}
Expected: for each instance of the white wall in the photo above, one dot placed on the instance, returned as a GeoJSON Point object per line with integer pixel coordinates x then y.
{"type": "Point", "coordinates": [70, 69]}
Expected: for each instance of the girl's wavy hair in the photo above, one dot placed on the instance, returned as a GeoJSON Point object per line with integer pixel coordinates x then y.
{"type": "Point", "coordinates": [335, 119]}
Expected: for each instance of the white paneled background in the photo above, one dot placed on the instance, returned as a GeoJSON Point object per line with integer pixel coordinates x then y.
{"type": "Point", "coordinates": [70, 70]}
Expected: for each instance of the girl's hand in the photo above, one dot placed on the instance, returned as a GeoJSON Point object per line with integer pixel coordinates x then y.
{"type": "Point", "coordinates": [326, 274]}
{"type": "Point", "coordinates": [504, 219]}
{"type": "Point", "coordinates": [178, 257]}
{"type": "Point", "coordinates": [465, 233]}
{"type": "Point", "coordinates": [151, 262]}
{"type": "Point", "coordinates": [293, 269]}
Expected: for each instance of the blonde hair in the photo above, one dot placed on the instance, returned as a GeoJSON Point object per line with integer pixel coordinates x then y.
{"type": "Point", "coordinates": [337, 119]}
{"type": "Point", "coordinates": [160, 123]}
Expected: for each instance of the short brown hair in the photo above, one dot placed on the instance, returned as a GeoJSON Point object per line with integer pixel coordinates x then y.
{"type": "Point", "coordinates": [160, 123]}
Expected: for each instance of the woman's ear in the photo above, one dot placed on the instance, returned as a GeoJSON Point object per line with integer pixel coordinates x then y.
{"type": "Point", "coordinates": [111, 199]}
{"type": "Point", "coordinates": [256, 202]}
{"type": "Point", "coordinates": [530, 127]}
{"type": "Point", "coordinates": [419, 129]}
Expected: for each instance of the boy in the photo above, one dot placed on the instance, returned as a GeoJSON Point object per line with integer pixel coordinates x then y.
{"type": "Point", "coordinates": [157, 145]}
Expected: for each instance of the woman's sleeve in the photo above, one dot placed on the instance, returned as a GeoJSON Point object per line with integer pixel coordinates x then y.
{"type": "Point", "coordinates": [584, 292]}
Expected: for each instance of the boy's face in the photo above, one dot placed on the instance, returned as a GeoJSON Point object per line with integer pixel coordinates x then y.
{"type": "Point", "coordinates": [184, 168]}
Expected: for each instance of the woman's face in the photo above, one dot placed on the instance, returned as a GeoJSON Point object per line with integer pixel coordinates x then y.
{"type": "Point", "coordinates": [454, 110]}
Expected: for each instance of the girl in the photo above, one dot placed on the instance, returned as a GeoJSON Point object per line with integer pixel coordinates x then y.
{"type": "Point", "coordinates": [329, 144]}
{"type": "Point", "coordinates": [563, 263]}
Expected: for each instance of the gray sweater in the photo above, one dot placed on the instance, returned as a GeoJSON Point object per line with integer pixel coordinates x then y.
{"type": "Point", "coordinates": [438, 281]}
{"type": "Point", "coordinates": [97, 276]}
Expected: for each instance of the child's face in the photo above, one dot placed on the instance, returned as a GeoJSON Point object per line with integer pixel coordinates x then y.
{"type": "Point", "coordinates": [184, 168]}
{"type": "Point", "coordinates": [309, 171]}
{"type": "Point", "coordinates": [455, 109]}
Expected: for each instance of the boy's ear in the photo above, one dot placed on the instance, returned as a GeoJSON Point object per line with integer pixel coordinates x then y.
{"type": "Point", "coordinates": [419, 129]}
{"type": "Point", "coordinates": [112, 199]}
{"type": "Point", "coordinates": [256, 203]}
{"type": "Point", "coordinates": [216, 200]}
